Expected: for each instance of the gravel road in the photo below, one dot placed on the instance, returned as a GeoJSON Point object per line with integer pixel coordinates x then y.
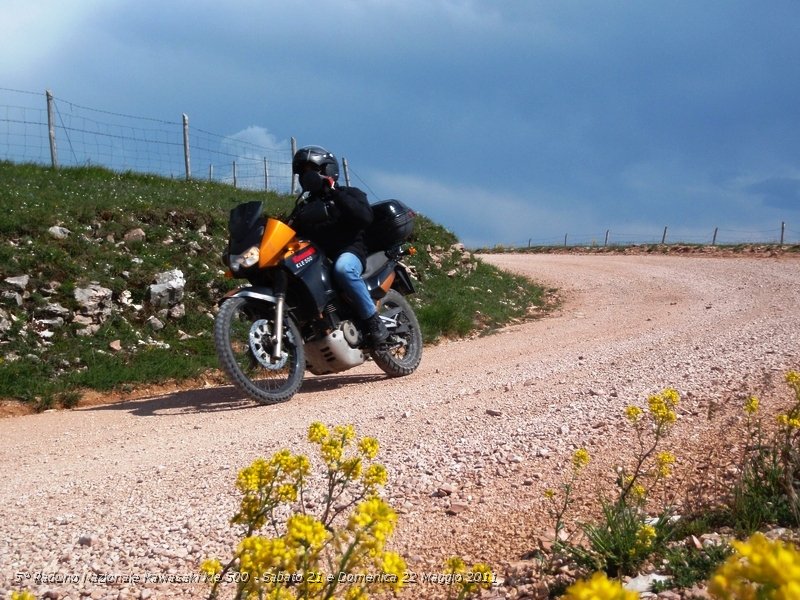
{"type": "Point", "coordinates": [146, 487]}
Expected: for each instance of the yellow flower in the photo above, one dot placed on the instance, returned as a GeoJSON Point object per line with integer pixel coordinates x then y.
{"type": "Point", "coordinates": [661, 406]}
{"type": "Point", "coordinates": [392, 564]}
{"type": "Point", "coordinates": [369, 446]}
{"type": "Point", "coordinates": [250, 512]}
{"type": "Point", "coordinates": [787, 421]}
{"type": "Point", "coordinates": [317, 432]}
{"type": "Point", "coordinates": [345, 433]}
{"type": "Point", "coordinates": [751, 406]}
{"type": "Point", "coordinates": [351, 468]}
{"type": "Point", "coordinates": [374, 521]}
{"type": "Point", "coordinates": [639, 492]}
{"type": "Point", "coordinates": [253, 477]}
{"type": "Point", "coordinates": [375, 476]}
{"type": "Point", "coordinates": [580, 459]}
{"type": "Point", "coordinates": [550, 493]}
{"type": "Point", "coordinates": [300, 466]}
{"type": "Point", "coordinates": [259, 555]}
{"type": "Point", "coordinates": [793, 379]}
{"type": "Point", "coordinates": [332, 451]}
{"type": "Point", "coordinates": [211, 567]}
{"type": "Point", "coordinates": [598, 588]}
{"type": "Point", "coordinates": [645, 536]}
{"type": "Point", "coordinates": [283, 460]}
{"type": "Point", "coordinates": [760, 568]}
{"type": "Point", "coordinates": [483, 574]}
{"type": "Point", "coordinates": [664, 462]}
{"type": "Point", "coordinates": [26, 595]}
{"type": "Point", "coordinates": [286, 492]}
{"type": "Point", "coordinates": [306, 531]}
{"type": "Point", "coordinates": [455, 564]}
{"type": "Point", "coordinates": [633, 414]}
{"type": "Point", "coordinates": [355, 593]}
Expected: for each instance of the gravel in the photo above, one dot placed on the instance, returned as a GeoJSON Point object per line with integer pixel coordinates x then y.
{"type": "Point", "coordinates": [124, 500]}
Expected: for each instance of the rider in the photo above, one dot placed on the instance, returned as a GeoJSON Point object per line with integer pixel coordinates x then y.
{"type": "Point", "coordinates": [335, 218]}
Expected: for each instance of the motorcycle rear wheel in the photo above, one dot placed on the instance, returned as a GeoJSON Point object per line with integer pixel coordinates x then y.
{"type": "Point", "coordinates": [402, 352]}
{"type": "Point", "coordinates": [242, 332]}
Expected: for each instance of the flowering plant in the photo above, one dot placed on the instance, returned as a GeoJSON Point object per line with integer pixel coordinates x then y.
{"type": "Point", "coordinates": [766, 489]}
{"type": "Point", "coordinates": [309, 556]}
{"type": "Point", "coordinates": [625, 537]}
{"type": "Point", "coordinates": [339, 553]}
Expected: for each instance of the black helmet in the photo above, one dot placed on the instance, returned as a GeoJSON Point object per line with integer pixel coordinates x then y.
{"type": "Point", "coordinates": [325, 161]}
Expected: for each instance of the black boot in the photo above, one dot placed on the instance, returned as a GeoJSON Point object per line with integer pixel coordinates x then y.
{"type": "Point", "coordinates": [376, 331]}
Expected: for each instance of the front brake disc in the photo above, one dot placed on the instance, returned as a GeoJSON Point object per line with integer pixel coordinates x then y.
{"type": "Point", "coordinates": [261, 346]}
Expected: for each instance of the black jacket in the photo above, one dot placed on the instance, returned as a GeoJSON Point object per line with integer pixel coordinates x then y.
{"type": "Point", "coordinates": [349, 214]}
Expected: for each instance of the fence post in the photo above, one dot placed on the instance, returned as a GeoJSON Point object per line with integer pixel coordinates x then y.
{"type": "Point", "coordinates": [234, 174]}
{"type": "Point", "coordinates": [605, 242]}
{"type": "Point", "coordinates": [783, 230]}
{"type": "Point", "coordinates": [266, 175]}
{"type": "Point", "coordinates": [294, 179]}
{"type": "Point", "coordinates": [664, 237]}
{"type": "Point", "coordinates": [211, 172]}
{"type": "Point", "coordinates": [186, 159]}
{"type": "Point", "coordinates": [714, 238]}
{"type": "Point", "coordinates": [51, 127]}
{"type": "Point", "coordinates": [346, 172]}
{"type": "Point", "coordinates": [565, 240]}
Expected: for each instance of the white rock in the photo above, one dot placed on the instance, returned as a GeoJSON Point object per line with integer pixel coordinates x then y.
{"type": "Point", "coordinates": [20, 281]}
{"type": "Point", "coordinates": [58, 232]}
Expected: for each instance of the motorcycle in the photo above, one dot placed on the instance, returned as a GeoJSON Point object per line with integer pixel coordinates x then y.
{"type": "Point", "coordinates": [291, 318]}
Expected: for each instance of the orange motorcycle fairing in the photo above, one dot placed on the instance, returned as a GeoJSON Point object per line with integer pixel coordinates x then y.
{"type": "Point", "coordinates": [277, 235]}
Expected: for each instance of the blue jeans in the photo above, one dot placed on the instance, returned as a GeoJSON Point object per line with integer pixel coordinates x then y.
{"type": "Point", "coordinates": [347, 271]}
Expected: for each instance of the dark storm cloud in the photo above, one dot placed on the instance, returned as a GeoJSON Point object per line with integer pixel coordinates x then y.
{"type": "Point", "coordinates": [571, 116]}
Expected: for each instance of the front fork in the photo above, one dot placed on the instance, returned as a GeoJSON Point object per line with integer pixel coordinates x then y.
{"type": "Point", "coordinates": [280, 284]}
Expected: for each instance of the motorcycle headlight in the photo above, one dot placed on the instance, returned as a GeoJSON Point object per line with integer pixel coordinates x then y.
{"type": "Point", "coordinates": [244, 260]}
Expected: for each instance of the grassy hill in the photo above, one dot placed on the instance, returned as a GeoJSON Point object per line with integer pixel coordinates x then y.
{"type": "Point", "coordinates": [64, 230]}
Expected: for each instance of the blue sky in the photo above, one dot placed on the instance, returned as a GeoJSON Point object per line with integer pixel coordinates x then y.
{"type": "Point", "coordinates": [506, 121]}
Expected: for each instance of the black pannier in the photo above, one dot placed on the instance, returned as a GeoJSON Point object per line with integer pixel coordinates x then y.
{"type": "Point", "coordinates": [392, 224]}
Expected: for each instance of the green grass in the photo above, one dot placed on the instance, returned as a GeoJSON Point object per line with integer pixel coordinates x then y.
{"type": "Point", "coordinates": [186, 228]}
{"type": "Point", "coordinates": [687, 565]}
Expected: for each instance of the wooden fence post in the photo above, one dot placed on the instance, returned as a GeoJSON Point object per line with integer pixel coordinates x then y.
{"type": "Point", "coordinates": [714, 237]}
{"type": "Point", "coordinates": [783, 230]}
{"type": "Point", "coordinates": [234, 174]}
{"type": "Point", "coordinates": [51, 128]}
{"type": "Point", "coordinates": [605, 242]}
{"type": "Point", "coordinates": [266, 175]}
{"type": "Point", "coordinates": [211, 172]}
{"type": "Point", "coordinates": [186, 159]}
{"type": "Point", "coordinates": [346, 172]}
{"type": "Point", "coordinates": [664, 237]}
{"type": "Point", "coordinates": [294, 178]}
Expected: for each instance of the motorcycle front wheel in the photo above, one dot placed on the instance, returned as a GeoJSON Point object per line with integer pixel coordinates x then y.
{"type": "Point", "coordinates": [243, 335]}
{"type": "Point", "coordinates": [402, 352]}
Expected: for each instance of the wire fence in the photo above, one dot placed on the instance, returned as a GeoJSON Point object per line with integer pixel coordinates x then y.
{"type": "Point", "coordinates": [781, 234]}
{"type": "Point", "coordinates": [41, 128]}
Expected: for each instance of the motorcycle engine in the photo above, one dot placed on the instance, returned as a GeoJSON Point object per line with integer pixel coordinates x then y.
{"type": "Point", "coordinates": [336, 352]}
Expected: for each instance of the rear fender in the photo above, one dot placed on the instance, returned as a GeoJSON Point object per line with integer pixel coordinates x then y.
{"type": "Point", "coordinates": [402, 281]}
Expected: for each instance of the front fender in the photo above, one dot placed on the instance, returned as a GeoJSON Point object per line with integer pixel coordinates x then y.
{"type": "Point", "coordinates": [263, 293]}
